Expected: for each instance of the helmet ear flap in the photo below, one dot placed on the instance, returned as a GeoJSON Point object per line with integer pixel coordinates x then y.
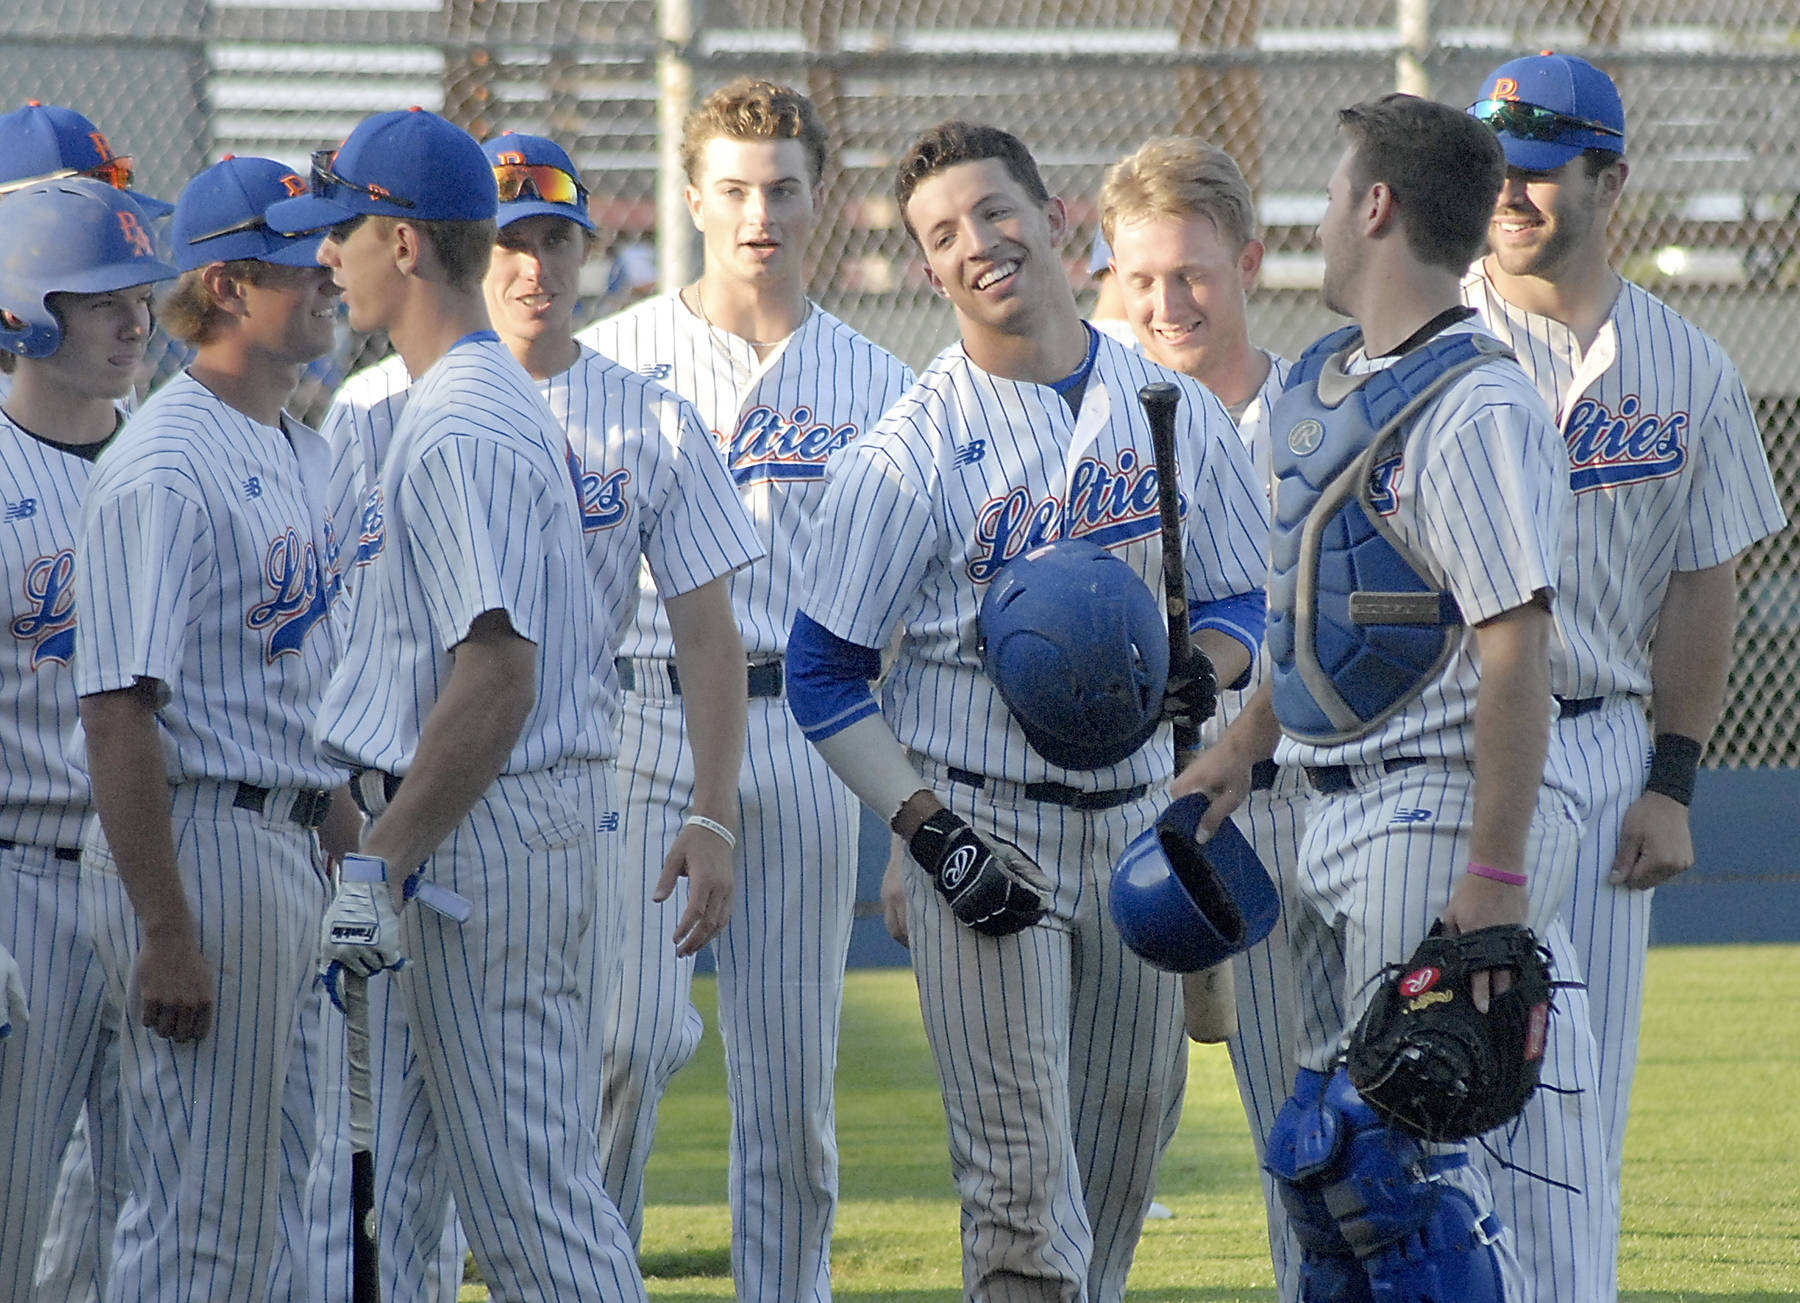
{"type": "Point", "coordinates": [1075, 644]}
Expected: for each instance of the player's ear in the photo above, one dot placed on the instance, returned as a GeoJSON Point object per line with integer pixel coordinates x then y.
{"type": "Point", "coordinates": [1376, 208]}
{"type": "Point", "coordinates": [931, 279]}
{"type": "Point", "coordinates": [1249, 262]}
{"type": "Point", "coordinates": [692, 195]}
{"type": "Point", "coordinates": [224, 287]}
{"type": "Point", "coordinates": [1058, 216]}
{"type": "Point", "coordinates": [407, 242]}
{"type": "Point", "coordinates": [1612, 181]}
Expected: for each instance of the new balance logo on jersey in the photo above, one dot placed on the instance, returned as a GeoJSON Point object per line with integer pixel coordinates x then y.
{"type": "Point", "coordinates": [609, 821]}
{"type": "Point", "coordinates": [602, 495]}
{"type": "Point", "coordinates": [23, 509]}
{"type": "Point", "coordinates": [1607, 450]}
{"type": "Point", "coordinates": [967, 454]}
{"type": "Point", "coordinates": [1107, 507]}
{"type": "Point", "coordinates": [253, 488]}
{"type": "Point", "coordinates": [770, 446]}
{"type": "Point", "coordinates": [373, 530]}
{"type": "Point", "coordinates": [1408, 815]}
{"type": "Point", "coordinates": [49, 620]}
{"type": "Point", "coordinates": [655, 370]}
{"type": "Point", "coordinates": [291, 568]}
{"type": "Point", "coordinates": [1384, 484]}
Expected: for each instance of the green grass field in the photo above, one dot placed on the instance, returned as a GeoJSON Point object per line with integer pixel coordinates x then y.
{"type": "Point", "coordinates": [1712, 1177]}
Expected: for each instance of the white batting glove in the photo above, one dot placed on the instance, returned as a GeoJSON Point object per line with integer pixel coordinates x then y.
{"type": "Point", "coordinates": [13, 1013]}
{"type": "Point", "coordinates": [362, 927]}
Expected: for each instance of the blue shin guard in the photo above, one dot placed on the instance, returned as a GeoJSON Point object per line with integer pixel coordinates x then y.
{"type": "Point", "coordinates": [1369, 1199]}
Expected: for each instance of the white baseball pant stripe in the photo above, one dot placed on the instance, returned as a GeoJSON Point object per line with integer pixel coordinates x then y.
{"type": "Point", "coordinates": [781, 983]}
{"type": "Point", "coordinates": [202, 1119]}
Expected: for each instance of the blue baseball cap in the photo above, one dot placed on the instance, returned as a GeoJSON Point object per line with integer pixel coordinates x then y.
{"type": "Point", "coordinates": [408, 163]}
{"type": "Point", "coordinates": [220, 216]}
{"type": "Point", "coordinates": [44, 142]}
{"type": "Point", "coordinates": [536, 178]}
{"type": "Point", "coordinates": [1547, 108]}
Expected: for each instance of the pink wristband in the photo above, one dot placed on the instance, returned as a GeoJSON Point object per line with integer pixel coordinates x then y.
{"type": "Point", "coordinates": [1488, 871]}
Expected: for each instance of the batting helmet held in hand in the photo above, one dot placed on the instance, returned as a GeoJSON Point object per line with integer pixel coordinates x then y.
{"type": "Point", "coordinates": [1183, 905]}
{"type": "Point", "coordinates": [1076, 644]}
{"type": "Point", "coordinates": [72, 235]}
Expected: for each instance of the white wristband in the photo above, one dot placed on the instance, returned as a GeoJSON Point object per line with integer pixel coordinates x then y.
{"type": "Point", "coordinates": [713, 826]}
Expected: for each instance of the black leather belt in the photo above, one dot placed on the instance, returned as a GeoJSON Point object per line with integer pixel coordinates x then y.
{"type": "Point", "coordinates": [1262, 775]}
{"type": "Point", "coordinates": [763, 679]}
{"type": "Point", "coordinates": [1334, 780]}
{"type": "Point", "coordinates": [311, 804]}
{"type": "Point", "coordinates": [67, 854]}
{"type": "Point", "coordinates": [390, 784]}
{"type": "Point", "coordinates": [1575, 707]}
{"type": "Point", "coordinates": [1052, 793]}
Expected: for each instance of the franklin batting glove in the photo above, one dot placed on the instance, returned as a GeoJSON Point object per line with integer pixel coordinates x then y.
{"type": "Point", "coordinates": [362, 929]}
{"type": "Point", "coordinates": [981, 882]}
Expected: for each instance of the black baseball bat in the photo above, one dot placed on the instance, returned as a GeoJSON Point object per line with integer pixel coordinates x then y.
{"type": "Point", "coordinates": [365, 1259]}
{"type": "Point", "coordinates": [1160, 400]}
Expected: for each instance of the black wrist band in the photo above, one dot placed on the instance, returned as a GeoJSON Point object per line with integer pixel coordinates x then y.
{"type": "Point", "coordinates": [1673, 764]}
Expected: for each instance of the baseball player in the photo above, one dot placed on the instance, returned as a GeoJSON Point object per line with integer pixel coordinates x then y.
{"type": "Point", "coordinates": [468, 710]}
{"type": "Point", "coordinates": [653, 489]}
{"type": "Point", "coordinates": [204, 653]}
{"type": "Point", "coordinates": [75, 315]}
{"type": "Point", "coordinates": [1438, 795]}
{"type": "Point", "coordinates": [783, 386]}
{"type": "Point", "coordinates": [1185, 254]}
{"type": "Point", "coordinates": [1060, 1053]}
{"type": "Point", "coordinates": [1670, 485]}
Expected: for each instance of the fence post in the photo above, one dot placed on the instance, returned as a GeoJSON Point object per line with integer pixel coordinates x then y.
{"type": "Point", "coordinates": [677, 21]}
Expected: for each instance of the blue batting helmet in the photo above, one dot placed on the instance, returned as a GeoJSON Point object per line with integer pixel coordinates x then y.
{"type": "Point", "coordinates": [1076, 644]}
{"type": "Point", "coordinates": [1183, 905]}
{"type": "Point", "coordinates": [72, 235]}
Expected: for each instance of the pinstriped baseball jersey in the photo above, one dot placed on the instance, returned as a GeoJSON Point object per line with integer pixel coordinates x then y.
{"type": "Point", "coordinates": [227, 542]}
{"type": "Point", "coordinates": [1665, 462]}
{"type": "Point", "coordinates": [777, 421]}
{"type": "Point", "coordinates": [968, 471]}
{"type": "Point", "coordinates": [1479, 491]}
{"type": "Point", "coordinates": [469, 514]}
{"type": "Point", "coordinates": [43, 792]}
{"type": "Point", "coordinates": [647, 472]}
{"type": "Point", "coordinates": [358, 427]}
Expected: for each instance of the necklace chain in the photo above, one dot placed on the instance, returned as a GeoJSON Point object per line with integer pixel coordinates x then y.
{"type": "Point", "coordinates": [700, 306]}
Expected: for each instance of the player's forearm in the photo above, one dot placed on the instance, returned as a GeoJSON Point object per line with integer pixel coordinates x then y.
{"type": "Point", "coordinates": [131, 795]}
{"type": "Point", "coordinates": [1512, 733]}
{"type": "Point", "coordinates": [709, 657]}
{"type": "Point", "coordinates": [1251, 737]}
{"type": "Point", "coordinates": [1229, 657]}
{"type": "Point", "coordinates": [873, 764]}
{"type": "Point", "coordinates": [463, 744]}
{"type": "Point", "coordinates": [1690, 655]}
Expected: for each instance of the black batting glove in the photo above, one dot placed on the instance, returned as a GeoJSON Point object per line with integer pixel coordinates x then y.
{"type": "Point", "coordinates": [980, 882]}
{"type": "Point", "coordinates": [1192, 696]}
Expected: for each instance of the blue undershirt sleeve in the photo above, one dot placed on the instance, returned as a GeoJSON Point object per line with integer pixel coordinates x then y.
{"type": "Point", "coordinates": [1242, 616]}
{"type": "Point", "coordinates": [828, 679]}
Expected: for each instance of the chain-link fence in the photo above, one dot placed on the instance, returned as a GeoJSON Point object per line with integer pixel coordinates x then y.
{"type": "Point", "coordinates": [1710, 219]}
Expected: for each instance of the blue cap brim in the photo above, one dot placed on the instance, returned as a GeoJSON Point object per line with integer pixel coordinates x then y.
{"type": "Point", "coordinates": [306, 214]}
{"type": "Point", "coordinates": [152, 208]}
{"type": "Point", "coordinates": [301, 251]}
{"type": "Point", "coordinates": [1548, 155]}
{"type": "Point", "coordinates": [517, 212]}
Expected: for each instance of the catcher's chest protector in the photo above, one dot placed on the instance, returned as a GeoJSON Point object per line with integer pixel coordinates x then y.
{"type": "Point", "coordinates": [1356, 628]}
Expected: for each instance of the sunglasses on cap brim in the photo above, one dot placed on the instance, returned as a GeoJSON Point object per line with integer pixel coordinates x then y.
{"type": "Point", "coordinates": [324, 179]}
{"type": "Point", "coordinates": [550, 184]}
{"type": "Point", "coordinates": [115, 172]}
{"type": "Point", "coordinates": [1532, 122]}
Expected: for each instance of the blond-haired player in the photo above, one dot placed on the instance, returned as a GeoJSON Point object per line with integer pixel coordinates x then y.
{"type": "Point", "coordinates": [1182, 225]}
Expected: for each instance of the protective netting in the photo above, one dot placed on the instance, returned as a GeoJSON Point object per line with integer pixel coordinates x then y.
{"type": "Point", "coordinates": [1710, 219]}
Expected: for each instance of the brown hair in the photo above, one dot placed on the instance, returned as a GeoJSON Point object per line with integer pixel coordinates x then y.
{"type": "Point", "coordinates": [462, 249]}
{"type": "Point", "coordinates": [1179, 177]}
{"type": "Point", "coordinates": [939, 148]}
{"type": "Point", "coordinates": [1444, 168]}
{"type": "Point", "coordinates": [751, 109]}
{"type": "Point", "coordinates": [188, 311]}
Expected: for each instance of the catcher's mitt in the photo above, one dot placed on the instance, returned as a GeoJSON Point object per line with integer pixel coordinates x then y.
{"type": "Point", "coordinates": [1428, 1062]}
